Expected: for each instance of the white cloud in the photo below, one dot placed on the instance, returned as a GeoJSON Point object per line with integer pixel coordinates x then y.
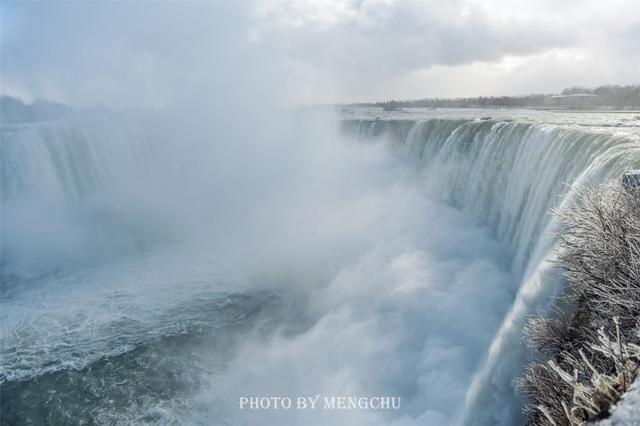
{"type": "Point", "coordinates": [149, 54]}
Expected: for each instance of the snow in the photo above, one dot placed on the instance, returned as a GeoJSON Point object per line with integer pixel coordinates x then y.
{"type": "Point", "coordinates": [627, 411]}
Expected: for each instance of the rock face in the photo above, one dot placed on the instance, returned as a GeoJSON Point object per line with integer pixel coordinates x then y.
{"type": "Point", "coordinates": [631, 180]}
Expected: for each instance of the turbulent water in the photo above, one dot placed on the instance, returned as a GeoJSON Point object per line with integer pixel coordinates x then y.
{"type": "Point", "coordinates": [154, 273]}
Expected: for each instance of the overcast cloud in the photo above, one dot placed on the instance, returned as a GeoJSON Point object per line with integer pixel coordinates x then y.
{"type": "Point", "coordinates": [150, 54]}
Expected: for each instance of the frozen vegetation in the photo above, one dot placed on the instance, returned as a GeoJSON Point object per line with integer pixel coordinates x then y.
{"type": "Point", "coordinates": [627, 411]}
{"type": "Point", "coordinates": [589, 358]}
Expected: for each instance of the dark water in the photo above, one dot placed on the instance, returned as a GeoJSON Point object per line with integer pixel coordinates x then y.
{"type": "Point", "coordinates": [153, 382]}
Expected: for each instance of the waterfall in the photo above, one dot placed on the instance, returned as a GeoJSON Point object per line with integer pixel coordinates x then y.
{"type": "Point", "coordinates": [339, 231]}
{"type": "Point", "coordinates": [70, 187]}
{"type": "Point", "coordinates": [70, 161]}
{"type": "Point", "coordinates": [509, 175]}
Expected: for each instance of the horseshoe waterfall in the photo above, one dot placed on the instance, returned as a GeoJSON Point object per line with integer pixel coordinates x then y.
{"type": "Point", "coordinates": [157, 273]}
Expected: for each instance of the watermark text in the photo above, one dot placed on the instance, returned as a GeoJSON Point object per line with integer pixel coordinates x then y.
{"type": "Point", "coordinates": [319, 402]}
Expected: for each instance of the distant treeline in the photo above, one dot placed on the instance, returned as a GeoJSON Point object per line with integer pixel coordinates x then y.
{"type": "Point", "coordinates": [15, 110]}
{"type": "Point", "coordinates": [615, 96]}
{"type": "Point", "coordinates": [610, 96]}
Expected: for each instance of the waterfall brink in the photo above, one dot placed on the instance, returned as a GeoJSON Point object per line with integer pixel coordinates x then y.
{"type": "Point", "coordinates": [96, 180]}
{"type": "Point", "coordinates": [68, 161]}
{"type": "Point", "coordinates": [58, 169]}
{"type": "Point", "coordinates": [509, 175]}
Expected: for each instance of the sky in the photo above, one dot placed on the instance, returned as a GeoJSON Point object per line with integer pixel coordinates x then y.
{"type": "Point", "coordinates": [154, 54]}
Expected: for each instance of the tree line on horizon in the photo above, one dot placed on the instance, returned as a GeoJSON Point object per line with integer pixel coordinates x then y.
{"type": "Point", "coordinates": [609, 96]}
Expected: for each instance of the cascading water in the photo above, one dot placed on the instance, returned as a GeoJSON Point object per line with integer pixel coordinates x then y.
{"type": "Point", "coordinates": [73, 172]}
{"type": "Point", "coordinates": [508, 174]}
{"type": "Point", "coordinates": [511, 175]}
{"type": "Point", "coordinates": [128, 247]}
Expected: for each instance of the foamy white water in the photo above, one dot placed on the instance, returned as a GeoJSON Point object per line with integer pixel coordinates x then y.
{"type": "Point", "coordinates": [394, 256]}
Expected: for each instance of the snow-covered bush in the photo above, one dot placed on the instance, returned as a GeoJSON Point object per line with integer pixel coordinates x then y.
{"type": "Point", "coordinates": [589, 356]}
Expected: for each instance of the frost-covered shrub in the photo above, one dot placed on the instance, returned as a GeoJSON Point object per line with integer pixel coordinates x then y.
{"type": "Point", "coordinates": [589, 357]}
